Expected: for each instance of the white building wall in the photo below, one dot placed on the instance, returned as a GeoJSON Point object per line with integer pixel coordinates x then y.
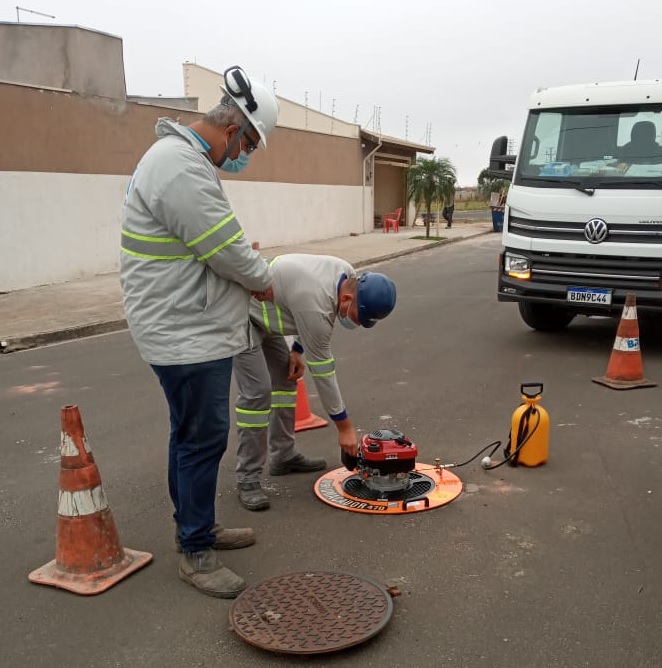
{"type": "Point", "coordinates": [62, 227]}
{"type": "Point", "coordinates": [58, 227]}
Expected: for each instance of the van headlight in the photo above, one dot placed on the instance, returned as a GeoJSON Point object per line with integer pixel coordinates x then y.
{"type": "Point", "coordinates": [517, 266]}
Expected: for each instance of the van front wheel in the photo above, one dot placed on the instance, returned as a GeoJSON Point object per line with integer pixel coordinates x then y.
{"type": "Point", "coordinates": [545, 317]}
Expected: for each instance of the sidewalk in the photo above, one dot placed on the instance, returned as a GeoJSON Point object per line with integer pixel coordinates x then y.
{"type": "Point", "coordinates": [52, 313]}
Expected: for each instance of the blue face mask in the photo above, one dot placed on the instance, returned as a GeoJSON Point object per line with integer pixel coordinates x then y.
{"type": "Point", "coordinates": [346, 321]}
{"type": "Point", "coordinates": [236, 165]}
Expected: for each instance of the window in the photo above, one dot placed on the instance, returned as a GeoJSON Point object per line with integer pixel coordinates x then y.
{"type": "Point", "coordinates": [599, 147]}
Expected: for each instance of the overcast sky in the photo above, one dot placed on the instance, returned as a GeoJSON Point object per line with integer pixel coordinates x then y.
{"type": "Point", "coordinates": [465, 68]}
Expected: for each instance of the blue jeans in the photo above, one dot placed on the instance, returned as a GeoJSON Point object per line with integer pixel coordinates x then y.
{"type": "Point", "coordinates": [198, 396]}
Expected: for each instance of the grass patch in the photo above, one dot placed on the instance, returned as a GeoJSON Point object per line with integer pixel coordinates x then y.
{"type": "Point", "coordinates": [471, 205]}
{"type": "Point", "coordinates": [422, 237]}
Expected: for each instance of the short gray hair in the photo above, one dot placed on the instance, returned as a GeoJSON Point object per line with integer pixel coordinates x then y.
{"type": "Point", "coordinates": [225, 113]}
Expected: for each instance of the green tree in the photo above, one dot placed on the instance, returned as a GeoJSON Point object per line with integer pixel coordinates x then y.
{"type": "Point", "coordinates": [431, 180]}
{"type": "Point", "coordinates": [488, 184]}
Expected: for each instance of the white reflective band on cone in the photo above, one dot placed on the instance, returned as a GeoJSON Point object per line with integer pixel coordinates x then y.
{"type": "Point", "coordinates": [68, 447]}
{"type": "Point", "coordinates": [629, 313]}
{"type": "Point", "coordinates": [84, 502]}
{"type": "Point", "coordinates": [626, 345]}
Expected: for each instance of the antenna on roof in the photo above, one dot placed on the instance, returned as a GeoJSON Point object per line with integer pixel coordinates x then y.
{"type": "Point", "coordinates": [30, 11]}
{"type": "Point", "coordinates": [637, 69]}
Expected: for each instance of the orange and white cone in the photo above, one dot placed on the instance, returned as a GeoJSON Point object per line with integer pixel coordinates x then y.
{"type": "Point", "coordinates": [88, 556]}
{"type": "Point", "coordinates": [625, 370]}
{"type": "Point", "coordinates": [303, 418]}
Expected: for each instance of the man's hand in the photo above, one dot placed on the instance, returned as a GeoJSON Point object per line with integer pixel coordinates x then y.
{"type": "Point", "coordinates": [263, 295]}
{"type": "Point", "coordinates": [347, 437]}
{"type": "Point", "coordinates": [296, 367]}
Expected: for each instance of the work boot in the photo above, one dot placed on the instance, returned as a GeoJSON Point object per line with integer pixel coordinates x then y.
{"type": "Point", "coordinates": [205, 571]}
{"type": "Point", "coordinates": [252, 496]}
{"type": "Point", "coordinates": [225, 539]}
{"type": "Point", "coordinates": [298, 464]}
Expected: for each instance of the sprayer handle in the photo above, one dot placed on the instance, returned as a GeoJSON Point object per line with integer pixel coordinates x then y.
{"type": "Point", "coordinates": [531, 394]}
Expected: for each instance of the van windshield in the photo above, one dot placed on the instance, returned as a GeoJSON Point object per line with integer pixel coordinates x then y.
{"type": "Point", "coordinates": [614, 147]}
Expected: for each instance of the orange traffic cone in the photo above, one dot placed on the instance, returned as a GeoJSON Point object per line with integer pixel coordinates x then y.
{"type": "Point", "coordinates": [625, 370]}
{"type": "Point", "coordinates": [303, 418]}
{"type": "Point", "coordinates": [88, 556]}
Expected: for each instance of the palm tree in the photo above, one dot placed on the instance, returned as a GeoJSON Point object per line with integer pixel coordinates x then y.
{"type": "Point", "coordinates": [430, 180]}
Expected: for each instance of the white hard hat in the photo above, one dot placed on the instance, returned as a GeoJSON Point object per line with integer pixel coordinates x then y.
{"type": "Point", "coordinates": [256, 102]}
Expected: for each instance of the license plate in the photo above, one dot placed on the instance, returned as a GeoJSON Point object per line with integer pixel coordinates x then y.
{"type": "Point", "coordinates": [598, 296]}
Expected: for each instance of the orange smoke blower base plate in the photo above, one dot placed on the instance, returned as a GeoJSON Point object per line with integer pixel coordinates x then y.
{"type": "Point", "coordinates": [444, 487]}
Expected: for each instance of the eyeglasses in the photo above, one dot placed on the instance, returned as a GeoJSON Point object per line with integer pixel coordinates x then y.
{"type": "Point", "coordinates": [250, 145]}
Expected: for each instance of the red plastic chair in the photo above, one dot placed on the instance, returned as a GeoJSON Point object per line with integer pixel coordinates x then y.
{"type": "Point", "coordinates": [392, 220]}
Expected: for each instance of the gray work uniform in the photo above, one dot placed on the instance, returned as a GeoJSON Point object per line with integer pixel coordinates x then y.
{"type": "Point", "coordinates": [305, 306]}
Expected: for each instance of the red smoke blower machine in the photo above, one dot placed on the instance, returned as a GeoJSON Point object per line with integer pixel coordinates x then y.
{"type": "Point", "coordinates": [385, 461]}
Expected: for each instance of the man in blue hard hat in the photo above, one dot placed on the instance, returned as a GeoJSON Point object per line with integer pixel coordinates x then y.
{"type": "Point", "coordinates": [309, 294]}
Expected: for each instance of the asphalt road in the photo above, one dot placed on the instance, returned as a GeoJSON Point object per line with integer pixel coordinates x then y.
{"type": "Point", "coordinates": [529, 568]}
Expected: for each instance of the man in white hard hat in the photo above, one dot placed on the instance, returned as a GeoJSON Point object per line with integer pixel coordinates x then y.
{"type": "Point", "coordinates": [187, 272]}
{"type": "Point", "coordinates": [310, 294]}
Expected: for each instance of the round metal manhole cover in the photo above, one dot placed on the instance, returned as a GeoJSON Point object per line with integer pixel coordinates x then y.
{"type": "Point", "coordinates": [311, 613]}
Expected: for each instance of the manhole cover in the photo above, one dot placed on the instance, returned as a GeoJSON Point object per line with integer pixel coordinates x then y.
{"type": "Point", "coordinates": [311, 613]}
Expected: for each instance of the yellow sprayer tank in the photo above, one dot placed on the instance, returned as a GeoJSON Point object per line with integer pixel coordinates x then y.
{"type": "Point", "coordinates": [529, 432]}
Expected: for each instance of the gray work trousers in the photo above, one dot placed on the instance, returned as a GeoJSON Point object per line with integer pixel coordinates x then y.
{"type": "Point", "coordinates": [265, 408]}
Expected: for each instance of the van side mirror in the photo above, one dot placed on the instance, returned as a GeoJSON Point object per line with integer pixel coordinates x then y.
{"type": "Point", "coordinates": [500, 160]}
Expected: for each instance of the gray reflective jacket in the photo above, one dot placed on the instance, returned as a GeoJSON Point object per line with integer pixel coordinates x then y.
{"type": "Point", "coordinates": [186, 267]}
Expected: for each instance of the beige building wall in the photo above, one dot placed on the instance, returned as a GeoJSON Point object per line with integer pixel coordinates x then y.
{"type": "Point", "coordinates": [205, 82]}
{"type": "Point", "coordinates": [206, 85]}
{"type": "Point", "coordinates": [67, 57]}
{"type": "Point", "coordinates": [71, 139]}
{"type": "Point", "coordinates": [65, 164]}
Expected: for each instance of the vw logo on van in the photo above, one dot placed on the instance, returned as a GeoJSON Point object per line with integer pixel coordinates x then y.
{"type": "Point", "coordinates": [596, 230]}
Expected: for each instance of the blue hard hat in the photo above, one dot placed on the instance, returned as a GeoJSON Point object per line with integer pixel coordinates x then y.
{"type": "Point", "coordinates": [375, 295]}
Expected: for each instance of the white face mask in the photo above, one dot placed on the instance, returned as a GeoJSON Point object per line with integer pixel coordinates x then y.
{"type": "Point", "coordinates": [345, 320]}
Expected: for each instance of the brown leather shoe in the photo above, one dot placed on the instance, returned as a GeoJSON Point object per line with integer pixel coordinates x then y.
{"type": "Point", "coordinates": [205, 571]}
{"type": "Point", "coordinates": [226, 539]}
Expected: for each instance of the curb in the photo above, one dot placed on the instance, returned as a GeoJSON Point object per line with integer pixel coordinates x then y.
{"type": "Point", "coordinates": [40, 339]}
{"type": "Point", "coordinates": [410, 251]}
{"type": "Point", "coordinates": [58, 336]}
